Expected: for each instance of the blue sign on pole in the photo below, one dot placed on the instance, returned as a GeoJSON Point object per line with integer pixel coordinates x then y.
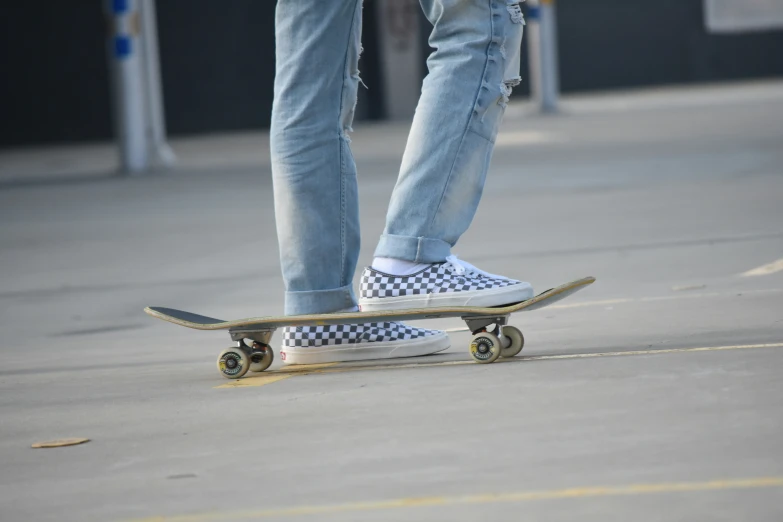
{"type": "Point", "coordinates": [122, 46]}
{"type": "Point", "coordinates": [120, 6]}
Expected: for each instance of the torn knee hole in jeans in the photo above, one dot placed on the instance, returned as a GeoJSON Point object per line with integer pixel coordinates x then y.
{"type": "Point", "coordinates": [505, 90]}
{"type": "Point", "coordinates": [514, 39]}
{"type": "Point", "coordinates": [516, 12]}
{"type": "Point", "coordinates": [356, 75]}
{"type": "Point", "coordinates": [348, 119]}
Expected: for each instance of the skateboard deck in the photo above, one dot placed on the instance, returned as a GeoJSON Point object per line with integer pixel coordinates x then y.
{"type": "Point", "coordinates": [505, 341]}
{"type": "Point", "coordinates": [202, 322]}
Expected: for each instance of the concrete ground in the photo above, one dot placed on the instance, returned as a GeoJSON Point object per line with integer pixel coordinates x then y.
{"type": "Point", "coordinates": [653, 395]}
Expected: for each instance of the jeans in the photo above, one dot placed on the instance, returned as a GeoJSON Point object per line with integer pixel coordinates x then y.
{"type": "Point", "coordinates": [471, 72]}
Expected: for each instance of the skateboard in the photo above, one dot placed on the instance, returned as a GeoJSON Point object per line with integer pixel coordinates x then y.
{"type": "Point", "coordinates": [253, 352]}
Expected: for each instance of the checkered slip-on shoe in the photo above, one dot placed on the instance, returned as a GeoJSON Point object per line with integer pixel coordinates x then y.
{"type": "Point", "coordinates": [451, 283]}
{"type": "Point", "coordinates": [358, 342]}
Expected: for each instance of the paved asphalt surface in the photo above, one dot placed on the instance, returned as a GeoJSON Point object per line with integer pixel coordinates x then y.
{"type": "Point", "coordinates": [653, 395]}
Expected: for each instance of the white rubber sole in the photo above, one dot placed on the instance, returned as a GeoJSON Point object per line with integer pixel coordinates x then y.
{"type": "Point", "coordinates": [493, 297]}
{"type": "Point", "coordinates": [366, 351]}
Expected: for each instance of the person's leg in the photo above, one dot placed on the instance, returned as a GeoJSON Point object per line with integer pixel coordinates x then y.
{"type": "Point", "coordinates": [316, 199]}
{"type": "Point", "coordinates": [471, 72]}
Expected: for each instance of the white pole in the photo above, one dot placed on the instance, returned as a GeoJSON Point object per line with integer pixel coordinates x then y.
{"type": "Point", "coordinates": [156, 135]}
{"type": "Point", "coordinates": [541, 31]}
{"type": "Point", "coordinates": [533, 30]}
{"type": "Point", "coordinates": [549, 61]}
{"type": "Point", "coordinates": [399, 33]}
{"type": "Point", "coordinates": [129, 107]}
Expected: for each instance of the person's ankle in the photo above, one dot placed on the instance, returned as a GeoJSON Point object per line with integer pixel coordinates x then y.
{"type": "Point", "coordinates": [397, 267]}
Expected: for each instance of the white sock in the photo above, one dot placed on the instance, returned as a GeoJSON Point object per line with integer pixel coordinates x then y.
{"type": "Point", "coordinates": [397, 267]}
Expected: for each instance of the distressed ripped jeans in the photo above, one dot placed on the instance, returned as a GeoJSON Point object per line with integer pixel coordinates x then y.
{"type": "Point", "coordinates": [472, 70]}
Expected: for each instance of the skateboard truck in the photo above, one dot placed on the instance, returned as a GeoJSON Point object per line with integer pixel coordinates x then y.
{"type": "Point", "coordinates": [476, 324]}
{"type": "Point", "coordinates": [261, 335]}
{"type": "Point", "coordinates": [502, 341]}
{"type": "Point", "coordinates": [234, 362]}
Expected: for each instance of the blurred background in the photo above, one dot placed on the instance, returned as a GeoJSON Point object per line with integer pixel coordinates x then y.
{"type": "Point", "coordinates": [643, 147]}
{"type": "Point", "coordinates": [217, 59]}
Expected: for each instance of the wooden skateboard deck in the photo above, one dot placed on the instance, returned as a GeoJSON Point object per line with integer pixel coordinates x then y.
{"type": "Point", "coordinates": [201, 322]}
{"type": "Point", "coordinates": [503, 341]}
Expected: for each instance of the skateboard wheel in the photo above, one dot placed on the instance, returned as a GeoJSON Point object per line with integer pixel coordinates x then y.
{"type": "Point", "coordinates": [517, 341]}
{"type": "Point", "coordinates": [261, 357]}
{"type": "Point", "coordinates": [233, 363]}
{"type": "Point", "coordinates": [485, 347]}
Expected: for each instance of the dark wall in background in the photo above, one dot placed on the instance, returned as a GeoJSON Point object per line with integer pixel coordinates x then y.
{"type": "Point", "coordinates": [53, 73]}
{"type": "Point", "coordinates": [218, 61]}
{"type": "Point", "coordinates": [631, 43]}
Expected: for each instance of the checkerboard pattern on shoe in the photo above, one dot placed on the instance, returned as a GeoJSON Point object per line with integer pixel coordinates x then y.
{"type": "Point", "coordinates": [313, 336]}
{"type": "Point", "coordinates": [437, 278]}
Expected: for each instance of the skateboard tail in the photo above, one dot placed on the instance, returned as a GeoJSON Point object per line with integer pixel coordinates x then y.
{"type": "Point", "coordinates": [554, 295]}
{"type": "Point", "coordinates": [182, 318]}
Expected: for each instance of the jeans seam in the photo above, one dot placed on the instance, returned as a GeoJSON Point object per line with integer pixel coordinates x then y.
{"type": "Point", "coordinates": [470, 119]}
{"type": "Point", "coordinates": [342, 144]}
{"type": "Point", "coordinates": [342, 212]}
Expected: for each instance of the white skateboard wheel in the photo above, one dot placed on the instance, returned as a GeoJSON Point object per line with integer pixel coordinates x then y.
{"type": "Point", "coordinates": [261, 358]}
{"type": "Point", "coordinates": [233, 363]}
{"type": "Point", "coordinates": [485, 347]}
{"type": "Point", "coordinates": [517, 341]}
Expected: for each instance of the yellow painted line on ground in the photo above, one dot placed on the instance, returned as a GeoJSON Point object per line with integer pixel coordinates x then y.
{"type": "Point", "coordinates": [261, 379]}
{"type": "Point", "coordinates": [603, 302]}
{"type": "Point", "coordinates": [770, 268]}
{"type": "Point", "coordinates": [654, 352]}
{"type": "Point", "coordinates": [278, 375]}
{"type": "Point", "coordinates": [489, 498]}
{"type": "Point", "coordinates": [550, 357]}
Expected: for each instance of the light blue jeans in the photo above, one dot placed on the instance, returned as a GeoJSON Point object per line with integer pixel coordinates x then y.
{"type": "Point", "coordinates": [471, 72]}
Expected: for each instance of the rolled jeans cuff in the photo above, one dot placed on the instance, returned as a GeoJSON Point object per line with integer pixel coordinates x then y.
{"type": "Point", "coordinates": [320, 301]}
{"type": "Point", "coordinates": [414, 249]}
